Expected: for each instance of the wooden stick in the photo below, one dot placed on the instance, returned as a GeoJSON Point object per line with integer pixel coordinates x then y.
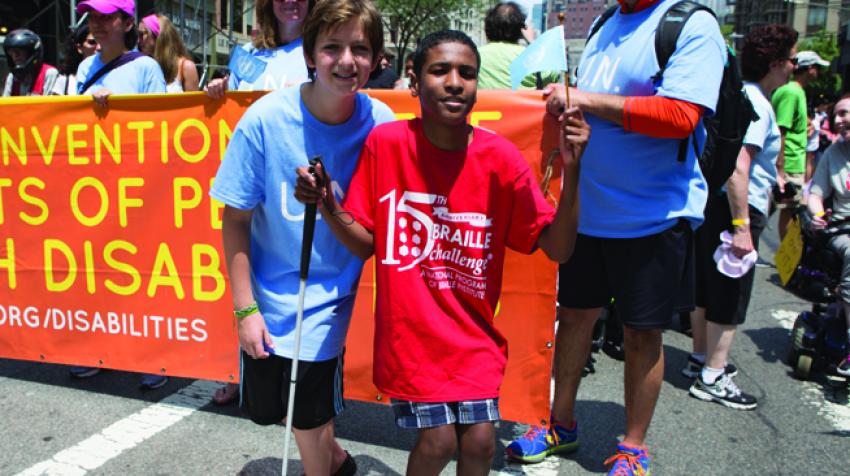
{"type": "Point", "coordinates": [561, 18]}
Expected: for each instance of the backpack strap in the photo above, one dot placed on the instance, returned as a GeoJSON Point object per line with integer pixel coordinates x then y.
{"type": "Point", "coordinates": [667, 34]}
{"type": "Point", "coordinates": [670, 26]}
{"type": "Point", "coordinates": [119, 61]}
{"type": "Point", "coordinates": [601, 21]}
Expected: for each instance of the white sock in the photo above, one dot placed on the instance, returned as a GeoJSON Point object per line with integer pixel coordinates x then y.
{"type": "Point", "coordinates": [710, 375]}
{"type": "Point", "coordinates": [700, 357]}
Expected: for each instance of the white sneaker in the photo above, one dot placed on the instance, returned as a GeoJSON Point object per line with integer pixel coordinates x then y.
{"type": "Point", "coordinates": [723, 391]}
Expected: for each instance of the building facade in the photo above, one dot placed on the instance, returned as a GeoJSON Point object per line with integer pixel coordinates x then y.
{"type": "Point", "coordinates": [808, 17]}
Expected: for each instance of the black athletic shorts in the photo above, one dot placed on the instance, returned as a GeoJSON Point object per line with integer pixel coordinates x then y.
{"type": "Point", "coordinates": [725, 299]}
{"type": "Point", "coordinates": [264, 390]}
{"type": "Point", "coordinates": [650, 278]}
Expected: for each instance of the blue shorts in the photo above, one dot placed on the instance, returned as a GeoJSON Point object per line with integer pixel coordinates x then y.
{"type": "Point", "coordinates": [428, 415]}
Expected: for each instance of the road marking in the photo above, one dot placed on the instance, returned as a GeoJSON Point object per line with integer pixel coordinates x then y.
{"type": "Point", "coordinates": [829, 402]}
{"type": "Point", "coordinates": [786, 318]}
{"type": "Point", "coordinates": [547, 467]}
{"type": "Point", "coordinates": [126, 434]}
{"type": "Point", "coordinates": [131, 431]}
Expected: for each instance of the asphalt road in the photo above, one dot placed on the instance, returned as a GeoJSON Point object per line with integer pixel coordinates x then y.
{"type": "Point", "coordinates": [51, 424]}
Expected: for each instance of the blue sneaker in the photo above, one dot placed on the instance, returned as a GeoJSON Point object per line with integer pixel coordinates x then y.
{"type": "Point", "coordinates": [78, 371]}
{"type": "Point", "coordinates": [629, 461]}
{"type": "Point", "coordinates": [539, 442]}
{"type": "Point", "coordinates": [151, 381]}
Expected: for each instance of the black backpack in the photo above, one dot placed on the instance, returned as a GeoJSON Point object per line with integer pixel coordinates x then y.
{"type": "Point", "coordinates": [725, 130]}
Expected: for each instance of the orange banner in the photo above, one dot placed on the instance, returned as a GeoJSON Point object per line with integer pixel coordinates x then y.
{"type": "Point", "coordinates": [110, 247]}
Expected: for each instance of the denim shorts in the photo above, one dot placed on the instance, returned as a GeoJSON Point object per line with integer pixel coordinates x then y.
{"type": "Point", "coordinates": [428, 415]}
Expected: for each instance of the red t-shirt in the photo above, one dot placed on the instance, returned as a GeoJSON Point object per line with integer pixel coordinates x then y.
{"type": "Point", "coordinates": [441, 222]}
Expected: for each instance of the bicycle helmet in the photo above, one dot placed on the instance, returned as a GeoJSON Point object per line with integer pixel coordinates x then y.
{"type": "Point", "coordinates": [30, 42]}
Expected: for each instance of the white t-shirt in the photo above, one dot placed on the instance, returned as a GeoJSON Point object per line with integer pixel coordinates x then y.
{"type": "Point", "coordinates": [252, 69]}
{"type": "Point", "coordinates": [66, 85]}
{"type": "Point", "coordinates": [50, 78]}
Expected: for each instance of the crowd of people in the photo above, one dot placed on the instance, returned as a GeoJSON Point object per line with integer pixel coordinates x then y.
{"type": "Point", "coordinates": [653, 238]}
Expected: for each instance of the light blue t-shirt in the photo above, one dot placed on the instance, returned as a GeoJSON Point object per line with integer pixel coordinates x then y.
{"type": "Point", "coordinates": [633, 185]}
{"type": "Point", "coordinates": [274, 136]}
{"type": "Point", "coordinates": [140, 76]}
{"type": "Point", "coordinates": [764, 135]}
{"type": "Point", "coordinates": [277, 68]}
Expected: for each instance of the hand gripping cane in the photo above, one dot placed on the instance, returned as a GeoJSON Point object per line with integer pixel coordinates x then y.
{"type": "Point", "coordinates": [306, 250]}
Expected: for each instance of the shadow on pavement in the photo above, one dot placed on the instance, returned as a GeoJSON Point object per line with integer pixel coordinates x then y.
{"type": "Point", "coordinates": [109, 382]}
{"type": "Point", "coordinates": [366, 463]}
{"type": "Point", "coordinates": [373, 424]}
{"type": "Point", "coordinates": [674, 360]}
{"type": "Point", "coordinates": [774, 279]}
{"type": "Point", "coordinates": [600, 426]}
{"type": "Point", "coordinates": [271, 467]}
{"type": "Point", "coordinates": [772, 342]}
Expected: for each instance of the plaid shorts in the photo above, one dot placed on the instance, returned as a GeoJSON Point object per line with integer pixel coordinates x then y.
{"type": "Point", "coordinates": [428, 415]}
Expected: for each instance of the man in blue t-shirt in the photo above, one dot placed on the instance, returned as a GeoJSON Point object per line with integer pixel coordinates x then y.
{"type": "Point", "coordinates": [639, 205]}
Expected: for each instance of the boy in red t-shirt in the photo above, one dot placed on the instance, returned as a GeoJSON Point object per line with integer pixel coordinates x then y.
{"type": "Point", "coordinates": [438, 201]}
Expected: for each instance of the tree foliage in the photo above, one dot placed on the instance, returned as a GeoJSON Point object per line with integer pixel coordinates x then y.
{"type": "Point", "coordinates": [727, 30]}
{"type": "Point", "coordinates": [828, 85]}
{"type": "Point", "coordinates": [407, 21]}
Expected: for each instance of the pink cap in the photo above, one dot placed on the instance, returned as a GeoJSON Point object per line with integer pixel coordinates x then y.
{"type": "Point", "coordinates": [108, 7]}
{"type": "Point", "coordinates": [152, 22]}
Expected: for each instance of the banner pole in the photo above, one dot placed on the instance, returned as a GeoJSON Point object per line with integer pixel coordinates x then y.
{"type": "Point", "coordinates": [561, 18]}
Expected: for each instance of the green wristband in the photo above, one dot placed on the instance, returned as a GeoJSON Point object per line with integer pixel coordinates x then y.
{"type": "Point", "coordinates": [245, 311]}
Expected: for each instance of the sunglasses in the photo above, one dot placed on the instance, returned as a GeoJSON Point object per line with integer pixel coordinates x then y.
{"type": "Point", "coordinates": [90, 42]}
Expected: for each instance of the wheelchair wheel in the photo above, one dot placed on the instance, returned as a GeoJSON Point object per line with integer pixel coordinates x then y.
{"type": "Point", "coordinates": [803, 367]}
{"type": "Point", "coordinates": [797, 333]}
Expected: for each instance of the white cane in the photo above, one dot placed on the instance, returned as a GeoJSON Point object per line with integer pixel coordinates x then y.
{"type": "Point", "coordinates": [306, 250]}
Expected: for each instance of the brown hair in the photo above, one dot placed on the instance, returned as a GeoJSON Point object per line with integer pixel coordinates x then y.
{"type": "Point", "coordinates": [170, 49]}
{"type": "Point", "coordinates": [131, 37]}
{"type": "Point", "coordinates": [762, 46]}
{"type": "Point", "coordinates": [328, 15]}
{"type": "Point", "coordinates": [266, 38]}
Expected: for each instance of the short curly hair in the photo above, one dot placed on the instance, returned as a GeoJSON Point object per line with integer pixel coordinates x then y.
{"type": "Point", "coordinates": [504, 22]}
{"type": "Point", "coordinates": [764, 45]}
{"type": "Point", "coordinates": [432, 40]}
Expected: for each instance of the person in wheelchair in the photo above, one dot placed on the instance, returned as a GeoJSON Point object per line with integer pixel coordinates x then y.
{"type": "Point", "coordinates": [831, 181]}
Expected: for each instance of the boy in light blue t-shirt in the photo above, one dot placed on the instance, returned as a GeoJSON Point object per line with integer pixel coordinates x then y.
{"type": "Point", "coordinates": [263, 225]}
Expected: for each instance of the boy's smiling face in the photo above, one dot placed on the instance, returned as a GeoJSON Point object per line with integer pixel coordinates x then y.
{"type": "Point", "coordinates": [342, 58]}
{"type": "Point", "coordinates": [448, 83]}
